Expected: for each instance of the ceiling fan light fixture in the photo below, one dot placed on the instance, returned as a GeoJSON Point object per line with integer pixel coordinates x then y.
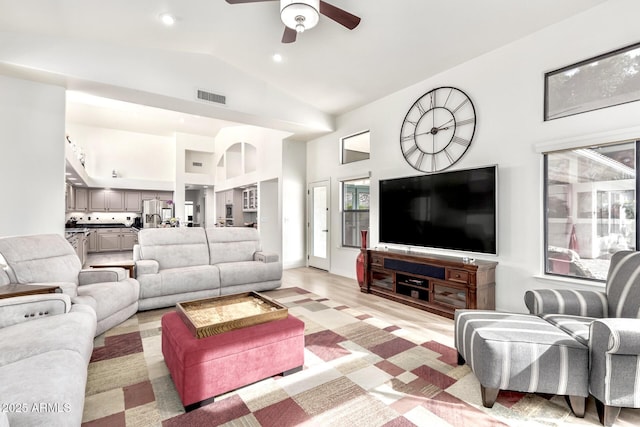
{"type": "Point", "coordinates": [300, 15]}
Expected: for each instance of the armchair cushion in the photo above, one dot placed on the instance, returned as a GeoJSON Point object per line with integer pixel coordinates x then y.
{"type": "Point", "coordinates": [576, 326]}
{"type": "Point", "coordinates": [567, 301]}
{"type": "Point", "coordinates": [40, 258]}
{"type": "Point", "coordinates": [99, 275]}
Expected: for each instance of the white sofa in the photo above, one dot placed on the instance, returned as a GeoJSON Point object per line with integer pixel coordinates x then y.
{"type": "Point", "coordinates": [46, 347]}
{"type": "Point", "coordinates": [183, 264]}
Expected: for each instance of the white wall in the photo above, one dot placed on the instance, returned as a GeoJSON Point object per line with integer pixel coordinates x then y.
{"type": "Point", "coordinates": [506, 87]}
{"type": "Point", "coordinates": [294, 165]}
{"type": "Point", "coordinates": [32, 157]}
{"type": "Point", "coordinates": [134, 155]}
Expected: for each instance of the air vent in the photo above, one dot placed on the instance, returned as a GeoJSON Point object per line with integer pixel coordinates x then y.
{"type": "Point", "coordinates": [198, 164]}
{"type": "Point", "coordinates": [211, 97]}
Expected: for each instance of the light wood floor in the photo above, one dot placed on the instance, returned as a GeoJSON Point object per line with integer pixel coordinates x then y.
{"type": "Point", "coordinates": [347, 292]}
{"type": "Point", "coordinates": [344, 291]}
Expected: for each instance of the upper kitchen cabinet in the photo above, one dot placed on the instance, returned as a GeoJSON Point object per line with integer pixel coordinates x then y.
{"type": "Point", "coordinates": [101, 200]}
{"type": "Point", "coordinates": [132, 201]}
{"type": "Point", "coordinates": [69, 196]}
{"type": "Point", "coordinates": [81, 199]}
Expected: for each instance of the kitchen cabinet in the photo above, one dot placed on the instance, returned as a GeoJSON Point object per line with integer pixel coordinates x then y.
{"type": "Point", "coordinates": [128, 239]}
{"type": "Point", "coordinates": [93, 242]}
{"type": "Point", "coordinates": [101, 200]}
{"type": "Point", "coordinates": [132, 201]}
{"type": "Point", "coordinates": [81, 200]}
{"type": "Point", "coordinates": [69, 197]}
{"type": "Point", "coordinates": [250, 199]}
{"type": "Point", "coordinates": [116, 239]}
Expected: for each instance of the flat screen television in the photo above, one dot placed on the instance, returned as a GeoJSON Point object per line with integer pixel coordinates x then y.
{"type": "Point", "coordinates": [454, 210]}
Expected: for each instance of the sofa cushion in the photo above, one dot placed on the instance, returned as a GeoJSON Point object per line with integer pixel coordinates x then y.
{"type": "Point", "coordinates": [576, 326]}
{"type": "Point", "coordinates": [179, 280]}
{"type": "Point", "coordinates": [40, 258]}
{"type": "Point", "coordinates": [174, 247]}
{"type": "Point", "coordinates": [72, 331]}
{"type": "Point", "coordinates": [48, 387]}
{"type": "Point", "coordinates": [245, 272]}
{"type": "Point", "coordinates": [109, 297]}
{"type": "Point", "coordinates": [232, 244]}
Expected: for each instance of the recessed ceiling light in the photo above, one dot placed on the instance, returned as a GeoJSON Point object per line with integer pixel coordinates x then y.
{"type": "Point", "coordinates": [167, 19]}
{"type": "Point", "coordinates": [68, 173]}
{"type": "Point", "coordinates": [277, 57]}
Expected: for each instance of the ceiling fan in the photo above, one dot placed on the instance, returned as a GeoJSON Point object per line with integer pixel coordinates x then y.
{"type": "Point", "coordinates": [301, 15]}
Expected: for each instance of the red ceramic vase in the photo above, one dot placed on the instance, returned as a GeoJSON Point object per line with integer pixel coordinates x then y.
{"type": "Point", "coordinates": [360, 259]}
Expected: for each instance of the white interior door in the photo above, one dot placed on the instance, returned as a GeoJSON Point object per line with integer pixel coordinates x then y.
{"type": "Point", "coordinates": [318, 226]}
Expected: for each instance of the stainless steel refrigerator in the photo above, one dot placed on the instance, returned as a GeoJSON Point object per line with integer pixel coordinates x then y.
{"type": "Point", "coordinates": [155, 213]}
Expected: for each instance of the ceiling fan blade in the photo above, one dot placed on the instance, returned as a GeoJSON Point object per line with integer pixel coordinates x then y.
{"type": "Point", "coordinates": [246, 1]}
{"type": "Point", "coordinates": [341, 16]}
{"type": "Point", "coordinates": [289, 35]}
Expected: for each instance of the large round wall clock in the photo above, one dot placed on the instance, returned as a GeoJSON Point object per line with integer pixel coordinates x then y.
{"type": "Point", "coordinates": [438, 129]}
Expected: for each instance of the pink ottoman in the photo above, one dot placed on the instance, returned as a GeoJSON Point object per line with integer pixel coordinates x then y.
{"type": "Point", "coordinates": [207, 367]}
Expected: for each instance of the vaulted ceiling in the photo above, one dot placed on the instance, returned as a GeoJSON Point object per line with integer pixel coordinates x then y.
{"type": "Point", "coordinates": [329, 70]}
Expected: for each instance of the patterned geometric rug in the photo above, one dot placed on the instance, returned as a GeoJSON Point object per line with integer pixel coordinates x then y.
{"type": "Point", "coordinates": [358, 371]}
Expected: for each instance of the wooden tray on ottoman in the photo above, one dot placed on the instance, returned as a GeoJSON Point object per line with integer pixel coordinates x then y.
{"type": "Point", "coordinates": [212, 316]}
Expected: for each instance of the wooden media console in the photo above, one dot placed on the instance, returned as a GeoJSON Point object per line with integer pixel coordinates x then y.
{"type": "Point", "coordinates": [436, 283]}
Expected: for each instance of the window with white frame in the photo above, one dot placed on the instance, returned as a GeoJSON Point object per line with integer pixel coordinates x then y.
{"type": "Point", "coordinates": [590, 208]}
{"type": "Point", "coordinates": [355, 211]}
{"type": "Point", "coordinates": [355, 147]}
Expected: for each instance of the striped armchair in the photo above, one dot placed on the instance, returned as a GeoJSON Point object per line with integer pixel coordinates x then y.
{"type": "Point", "coordinates": [608, 323]}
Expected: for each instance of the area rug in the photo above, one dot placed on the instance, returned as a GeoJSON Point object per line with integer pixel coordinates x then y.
{"type": "Point", "coordinates": [359, 371]}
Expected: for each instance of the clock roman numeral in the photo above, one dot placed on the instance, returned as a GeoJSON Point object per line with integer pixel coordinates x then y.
{"type": "Point", "coordinates": [419, 160]}
{"type": "Point", "coordinates": [449, 156]}
{"type": "Point", "coordinates": [466, 121]}
{"type": "Point", "coordinates": [411, 122]}
{"type": "Point", "coordinates": [421, 109]}
{"type": "Point", "coordinates": [407, 137]}
{"type": "Point", "coordinates": [448, 96]}
{"type": "Point", "coordinates": [433, 99]}
{"type": "Point", "coordinates": [460, 105]}
{"type": "Point", "coordinates": [461, 141]}
{"type": "Point", "coordinates": [410, 151]}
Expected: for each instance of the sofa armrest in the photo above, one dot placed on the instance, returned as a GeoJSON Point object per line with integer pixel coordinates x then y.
{"type": "Point", "coordinates": [101, 275]}
{"type": "Point", "coordinates": [266, 257]}
{"type": "Point", "coordinates": [29, 307]}
{"type": "Point", "coordinates": [567, 301]}
{"type": "Point", "coordinates": [147, 266]}
{"type": "Point", "coordinates": [616, 335]}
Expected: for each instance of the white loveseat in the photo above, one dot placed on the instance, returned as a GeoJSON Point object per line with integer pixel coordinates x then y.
{"type": "Point", "coordinates": [182, 264]}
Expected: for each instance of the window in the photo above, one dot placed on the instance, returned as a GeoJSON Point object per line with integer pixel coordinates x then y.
{"type": "Point", "coordinates": [355, 147]}
{"type": "Point", "coordinates": [590, 208]}
{"type": "Point", "coordinates": [355, 211]}
{"type": "Point", "coordinates": [599, 82]}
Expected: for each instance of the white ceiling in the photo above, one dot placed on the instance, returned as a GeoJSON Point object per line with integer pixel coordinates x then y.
{"type": "Point", "coordinates": [397, 44]}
